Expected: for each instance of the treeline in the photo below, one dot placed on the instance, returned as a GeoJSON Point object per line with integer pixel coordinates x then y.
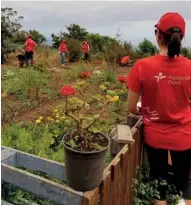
{"type": "Point", "coordinates": [102, 47]}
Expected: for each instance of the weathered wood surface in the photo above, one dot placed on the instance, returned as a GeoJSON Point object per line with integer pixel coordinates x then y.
{"type": "Point", "coordinates": [40, 186]}
{"type": "Point", "coordinates": [124, 134]}
{"type": "Point", "coordinates": [115, 181]}
{"type": "Point", "coordinates": [124, 149]}
{"type": "Point", "coordinates": [32, 162]}
{"type": "Point", "coordinates": [91, 197]}
{"type": "Point", "coordinates": [8, 157]}
{"type": "Point", "coordinates": [120, 136]}
{"type": "Point", "coordinates": [105, 189]}
{"type": "Point", "coordinates": [124, 173]}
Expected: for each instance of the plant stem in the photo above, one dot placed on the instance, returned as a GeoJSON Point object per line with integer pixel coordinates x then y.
{"type": "Point", "coordinates": [78, 123]}
{"type": "Point", "coordinates": [70, 115]}
{"type": "Point", "coordinates": [101, 112]}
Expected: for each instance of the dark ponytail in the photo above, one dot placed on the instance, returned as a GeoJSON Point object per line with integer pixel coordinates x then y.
{"type": "Point", "coordinates": [172, 39]}
{"type": "Point", "coordinates": [174, 45]}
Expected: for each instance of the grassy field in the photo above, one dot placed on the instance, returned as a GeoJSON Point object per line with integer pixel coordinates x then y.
{"type": "Point", "coordinates": [33, 118]}
{"type": "Point", "coordinates": [34, 92]}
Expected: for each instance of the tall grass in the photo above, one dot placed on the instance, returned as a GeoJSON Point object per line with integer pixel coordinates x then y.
{"type": "Point", "coordinates": [76, 69]}
{"type": "Point", "coordinates": [47, 56]}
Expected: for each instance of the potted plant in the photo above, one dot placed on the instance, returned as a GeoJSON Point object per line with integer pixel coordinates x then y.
{"type": "Point", "coordinates": [85, 150]}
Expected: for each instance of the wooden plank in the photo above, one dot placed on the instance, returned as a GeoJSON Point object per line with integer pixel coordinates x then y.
{"type": "Point", "coordinates": [132, 167]}
{"type": "Point", "coordinates": [90, 197]}
{"type": "Point", "coordinates": [136, 149]}
{"type": "Point", "coordinates": [32, 162]}
{"type": "Point", "coordinates": [115, 175]}
{"type": "Point", "coordinates": [124, 134]}
{"type": "Point", "coordinates": [8, 157]}
{"type": "Point", "coordinates": [113, 147]}
{"type": "Point", "coordinates": [124, 169]}
{"type": "Point", "coordinates": [105, 189]}
{"type": "Point", "coordinates": [123, 150]}
{"type": "Point", "coordinates": [130, 172]}
{"type": "Point", "coordinates": [40, 186]}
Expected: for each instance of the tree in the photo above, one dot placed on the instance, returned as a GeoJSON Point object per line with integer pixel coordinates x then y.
{"type": "Point", "coordinates": [9, 25]}
{"type": "Point", "coordinates": [147, 48]}
{"type": "Point", "coordinates": [37, 36]}
{"type": "Point", "coordinates": [75, 32]}
{"type": "Point", "coordinates": [9, 22]}
{"type": "Point", "coordinates": [98, 42]}
{"type": "Point", "coordinates": [56, 39]}
{"type": "Point", "coordinates": [19, 37]}
{"type": "Point", "coordinates": [186, 52]}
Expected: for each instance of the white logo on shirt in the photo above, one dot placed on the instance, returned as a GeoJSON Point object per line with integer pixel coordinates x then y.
{"type": "Point", "coordinates": [159, 77]}
{"type": "Point", "coordinates": [151, 115]}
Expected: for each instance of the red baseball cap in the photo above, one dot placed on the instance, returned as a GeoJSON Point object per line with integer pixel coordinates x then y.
{"type": "Point", "coordinates": [170, 20]}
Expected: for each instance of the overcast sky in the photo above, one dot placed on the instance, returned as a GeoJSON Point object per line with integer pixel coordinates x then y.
{"type": "Point", "coordinates": [135, 19]}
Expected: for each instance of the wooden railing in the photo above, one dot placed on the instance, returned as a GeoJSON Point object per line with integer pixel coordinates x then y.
{"type": "Point", "coordinates": [115, 189]}
{"type": "Point", "coordinates": [127, 154]}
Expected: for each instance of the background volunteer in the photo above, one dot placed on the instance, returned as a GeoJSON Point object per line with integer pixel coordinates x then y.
{"type": "Point", "coordinates": [63, 50]}
{"type": "Point", "coordinates": [29, 48]}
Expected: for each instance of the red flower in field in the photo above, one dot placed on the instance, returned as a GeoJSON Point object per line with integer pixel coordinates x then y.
{"type": "Point", "coordinates": [122, 79]}
{"type": "Point", "coordinates": [67, 90]}
{"type": "Point", "coordinates": [85, 74]}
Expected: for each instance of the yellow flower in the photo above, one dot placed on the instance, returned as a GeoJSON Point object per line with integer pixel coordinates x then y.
{"type": "Point", "coordinates": [109, 97]}
{"type": "Point", "coordinates": [55, 110]}
{"type": "Point", "coordinates": [40, 118]}
{"type": "Point", "coordinates": [57, 121]}
{"type": "Point", "coordinates": [112, 99]}
{"type": "Point", "coordinates": [63, 118]}
{"type": "Point", "coordinates": [38, 121]}
{"type": "Point", "coordinates": [115, 98]}
{"type": "Point", "coordinates": [50, 119]}
{"type": "Point", "coordinates": [57, 115]}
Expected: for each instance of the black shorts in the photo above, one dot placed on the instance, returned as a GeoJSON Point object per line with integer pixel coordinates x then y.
{"type": "Point", "coordinates": [29, 56]}
{"type": "Point", "coordinates": [181, 167]}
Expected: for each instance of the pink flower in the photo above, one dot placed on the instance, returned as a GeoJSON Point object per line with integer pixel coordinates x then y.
{"type": "Point", "coordinates": [67, 90]}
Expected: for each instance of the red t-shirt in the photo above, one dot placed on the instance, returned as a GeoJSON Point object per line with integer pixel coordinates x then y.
{"type": "Point", "coordinates": [63, 48]}
{"type": "Point", "coordinates": [85, 48]}
{"type": "Point", "coordinates": [165, 86]}
{"type": "Point", "coordinates": [30, 45]}
{"type": "Point", "coordinates": [125, 60]}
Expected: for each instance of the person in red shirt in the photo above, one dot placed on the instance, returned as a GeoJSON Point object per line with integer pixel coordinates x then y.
{"type": "Point", "coordinates": [125, 61]}
{"type": "Point", "coordinates": [164, 83]}
{"type": "Point", "coordinates": [85, 49]}
{"type": "Point", "coordinates": [63, 50]}
{"type": "Point", "coordinates": [29, 48]}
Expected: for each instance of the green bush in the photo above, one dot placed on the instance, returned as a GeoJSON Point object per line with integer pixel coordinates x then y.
{"type": "Point", "coordinates": [146, 189]}
{"type": "Point", "coordinates": [21, 82]}
{"type": "Point", "coordinates": [74, 49]}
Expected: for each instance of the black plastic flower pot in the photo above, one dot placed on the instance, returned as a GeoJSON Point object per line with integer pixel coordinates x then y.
{"type": "Point", "coordinates": [84, 170]}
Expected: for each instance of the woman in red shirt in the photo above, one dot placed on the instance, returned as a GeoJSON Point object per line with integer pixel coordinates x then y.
{"type": "Point", "coordinates": [62, 50]}
{"type": "Point", "coordinates": [85, 49]}
{"type": "Point", "coordinates": [164, 82]}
